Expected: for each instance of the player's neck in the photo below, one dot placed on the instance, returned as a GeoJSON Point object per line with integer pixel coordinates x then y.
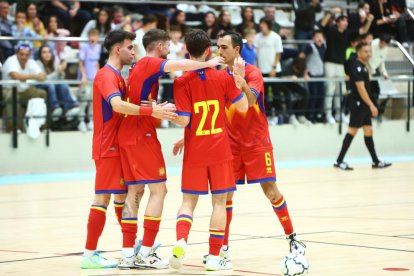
{"type": "Point", "coordinates": [200, 59]}
{"type": "Point", "coordinates": [362, 61]}
{"type": "Point", "coordinates": [114, 63]}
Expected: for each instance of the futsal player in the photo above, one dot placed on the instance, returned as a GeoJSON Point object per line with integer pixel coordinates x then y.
{"type": "Point", "coordinates": [141, 156]}
{"type": "Point", "coordinates": [200, 97]}
{"type": "Point", "coordinates": [361, 108]}
{"type": "Point", "coordinates": [108, 91]}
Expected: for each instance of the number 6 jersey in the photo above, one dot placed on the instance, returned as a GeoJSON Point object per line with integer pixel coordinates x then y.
{"type": "Point", "coordinates": [202, 95]}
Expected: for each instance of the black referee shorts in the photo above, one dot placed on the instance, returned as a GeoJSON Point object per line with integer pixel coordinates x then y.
{"type": "Point", "coordinates": [360, 114]}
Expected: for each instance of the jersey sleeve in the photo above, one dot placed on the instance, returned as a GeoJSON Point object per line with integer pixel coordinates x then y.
{"type": "Point", "coordinates": [156, 65]}
{"type": "Point", "coordinates": [107, 86]}
{"type": "Point", "coordinates": [182, 98]}
{"type": "Point", "coordinates": [254, 80]}
{"type": "Point", "coordinates": [356, 72]}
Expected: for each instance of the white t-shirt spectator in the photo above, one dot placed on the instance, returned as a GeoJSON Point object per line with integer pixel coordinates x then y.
{"type": "Point", "coordinates": [176, 52]}
{"type": "Point", "coordinates": [267, 47]}
{"type": "Point", "coordinates": [12, 65]}
{"type": "Point", "coordinates": [138, 43]}
{"type": "Point", "coordinates": [378, 56]}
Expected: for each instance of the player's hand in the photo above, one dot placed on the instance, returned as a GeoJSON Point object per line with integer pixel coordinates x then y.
{"type": "Point", "coordinates": [215, 62]}
{"type": "Point", "coordinates": [178, 147]}
{"type": "Point", "coordinates": [165, 111]}
{"type": "Point", "coordinates": [239, 67]}
{"type": "Point", "coordinates": [374, 111]}
{"type": "Point", "coordinates": [239, 81]}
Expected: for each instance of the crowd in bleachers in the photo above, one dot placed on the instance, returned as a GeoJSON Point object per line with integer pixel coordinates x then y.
{"type": "Point", "coordinates": [324, 48]}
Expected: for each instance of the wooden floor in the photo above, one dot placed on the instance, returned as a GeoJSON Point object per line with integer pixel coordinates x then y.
{"type": "Point", "coordinates": [353, 223]}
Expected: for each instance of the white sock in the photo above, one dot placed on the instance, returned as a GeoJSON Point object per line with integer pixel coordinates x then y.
{"type": "Point", "coordinates": [88, 253]}
{"type": "Point", "coordinates": [128, 252]}
{"type": "Point", "coordinates": [145, 250]}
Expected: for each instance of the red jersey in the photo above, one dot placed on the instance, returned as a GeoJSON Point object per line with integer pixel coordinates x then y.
{"type": "Point", "coordinates": [249, 131]}
{"type": "Point", "coordinates": [143, 84]}
{"type": "Point", "coordinates": [202, 95]}
{"type": "Point", "coordinates": [107, 84]}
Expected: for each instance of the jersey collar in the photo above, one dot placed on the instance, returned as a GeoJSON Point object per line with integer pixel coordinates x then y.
{"type": "Point", "coordinates": [113, 69]}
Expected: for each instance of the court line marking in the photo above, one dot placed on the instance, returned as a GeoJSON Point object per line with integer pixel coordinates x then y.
{"type": "Point", "coordinates": [37, 178]}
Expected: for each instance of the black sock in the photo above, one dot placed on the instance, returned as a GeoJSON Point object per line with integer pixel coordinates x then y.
{"type": "Point", "coordinates": [345, 146]}
{"type": "Point", "coordinates": [369, 142]}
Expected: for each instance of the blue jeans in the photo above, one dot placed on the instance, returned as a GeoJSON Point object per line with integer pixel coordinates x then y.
{"type": "Point", "coordinates": [302, 35]}
{"type": "Point", "coordinates": [59, 94]}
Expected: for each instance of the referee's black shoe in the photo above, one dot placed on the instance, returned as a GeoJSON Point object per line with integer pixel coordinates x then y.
{"type": "Point", "coordinates": [381, 165]}
{"type": "Point", "coordinates": [343, 166]}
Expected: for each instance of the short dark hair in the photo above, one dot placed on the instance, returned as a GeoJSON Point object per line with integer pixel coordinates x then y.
{"type": "Point", "coordinates": [360, 46]}
{"type": "Point", "coordinates": [385, 37]}
{"type": "Point", "coordinates": [117, 36]}
{"type": "Point", "coordinates": [154, 36]}
{"type": "Point", "coordinates": [197, 41]}
{"type": "Point", "coordinates": [340, 18]}
{"type": "Point", "coordinates": [236, 39]}
{"type": "Point", "coordinates": [268, 22]}
{"type": "Point", "coordinates": [315, 32]}
{"type": "Point", "coordinates": [149, 18]}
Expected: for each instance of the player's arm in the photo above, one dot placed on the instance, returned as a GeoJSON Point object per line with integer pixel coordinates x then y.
{"type": "Point", "coordinates": [178, 146]}
{"type": "Point", "coordinates": [241, 103]}
{"type": "Point", "coordinates": [161, 111]}
{"type": "Point", "coordinates": [189, 65]}
{"type": "Point", "coordinates": [365, 97]}
{"type": "Point", "coordinates": [182, 120]}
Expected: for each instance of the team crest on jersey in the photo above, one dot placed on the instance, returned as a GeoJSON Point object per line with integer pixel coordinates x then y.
{"type": "Point", "coordinates": [122, 182]}
{"type": "Point", "coordinates": [161, 171]}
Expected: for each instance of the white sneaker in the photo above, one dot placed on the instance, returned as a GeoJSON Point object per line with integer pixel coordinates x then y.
{"type": "Point", "coordinates": [126, 262]}
{"type": "Point", "coordinates": [215, 263]}
{"type": "Point", "coordinates": [138, 244]}
{"type": "Point", "coordinates": [82, 127]}
{"type": "Point", "coordinates": [296, 246]}
{"type": "Point", "coordinates": [71, 113]}
{"type": "Point", "coordinates": [151, 261]}
{"type": "Point", "coordinates": [345, 119]}
{"type": "Point", "coordinates": [302, 119]}
{"type": "Point", "coordinates": [330, 119]}
{"type": "Point", "coordinates": [56, 113]}
{"type": "Point", "coordinates": [97, 261]}
{"type": "Point", "coordinates": [179, 250]}
{"type": "Point", "coordinates": [225, 253]}
{"type": "Point", "coordinates": [90, 125]}
{"type": "Point", "coordinates": [293, 120]}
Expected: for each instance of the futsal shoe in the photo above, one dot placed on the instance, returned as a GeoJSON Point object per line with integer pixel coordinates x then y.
{"type": "Point", "coordinates": [296, 246]}
{"type": "Point", "coordinates": [214, 263]}
{"type": "Point", "coordinates": [126, 262]}
{"type": "Point", "coordinates": [179, 250]}
{"type": "Point", "coordinates": [343, 166]}
{"type": "Point", "coordinates": [381, 165]}
{"type": "Point", "coordinates": [225, 253]}
{"type": "Point", "coordinates": [150, 261]}
{"type": "Point", "coordinates": [138, 244]}
{"type": "Point", "coordinates": [97, 261]}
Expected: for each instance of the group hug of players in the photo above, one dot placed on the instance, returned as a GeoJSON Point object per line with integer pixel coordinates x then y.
{"type": "Point", "coordinates": [226, 142]}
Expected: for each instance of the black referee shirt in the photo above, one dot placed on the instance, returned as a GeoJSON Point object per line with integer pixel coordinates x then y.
{"type": "Point", "coordinates": [358, 72]}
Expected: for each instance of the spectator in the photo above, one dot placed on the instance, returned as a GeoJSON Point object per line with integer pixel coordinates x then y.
{"type": "Point", "coordinates": [150, 22]}
{"type": "Point", "coordinates": [178, 19]}
{"type": "Point", "coordinates": [248, 21]}
{"type": "Point", "coordinates": [35, 24]}
{"type": "Point", "coordinates": [209, 24]}
{"type": "Point", "coordinates": [58, 93]}
{"type": "Point", "coordinates": [389, 21]}
{"type": "Point", "coordinates": [336, 41]}
{"type": "Point", "coordinates": [118, 16]}
{"type": "Point", "coordinates": [270, 14]}
{"type": "Point", "coordinates": [71, 14]}
{"type": "Point", "coordinates": [54, 29]}
{"type": "Point", "coordinates": [223, 23]}
{"type": "Point", "coordinates": [269, 52]}
{"type": "Point", "coordinates": [103, 24]}
{"type": "Point", "coordinates": [315, 54]}
{"type": "Point", "coordinates": [248, 52]}
{"type": "Point", "coordinates": [136, 22]}
{"type": "Point", "coordinates": [22, 68]}
{"type": "Point", "coordinates": [6, 24]}
{"type": "Point", "coordinates": [89, 54]}
{"type": "Point", "coordinates": [20, 30]}
{"type": "Point", "coordinates": [361, 21]}
{"type": "Point", "coordinates": [305, 11]}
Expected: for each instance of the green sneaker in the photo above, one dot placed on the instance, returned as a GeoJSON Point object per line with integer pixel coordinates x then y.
{"type": "Point", "coordinates": [97, 261]}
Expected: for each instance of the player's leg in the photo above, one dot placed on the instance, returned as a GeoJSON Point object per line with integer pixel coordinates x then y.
{"type": "Point", "coordinates": [369, 143]}
{"type": "Point", "coordinates": [183, 226]}
{"type": "Point", "coordinates": [119, 201]}
{"type": "Point", "coordinates": [346, 143]}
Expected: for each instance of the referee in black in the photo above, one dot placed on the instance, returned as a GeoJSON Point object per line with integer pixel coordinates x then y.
{"type": "Point", "coordinates": [361, 107]}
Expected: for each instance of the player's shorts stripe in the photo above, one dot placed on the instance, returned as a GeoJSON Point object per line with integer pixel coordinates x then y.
{"type": "Point", "coordinates": [261, 180]}
{"type": "Point", "coordinates": [111, 192]}
{"type": "Point", "coordinates": [183, 113]}
{"type": "Point", "coordinates": [237, 99]}
{"type": "Point", "coordinates": [194, 192]}
{"type": "Point", "coordinates": [145, 181]}
{"type": "Point", "coordinates": [108, 100]}
{"type": "Point", "coordinates": [238, 182]}
{"type": "Point", "coordinates": [223, 191]}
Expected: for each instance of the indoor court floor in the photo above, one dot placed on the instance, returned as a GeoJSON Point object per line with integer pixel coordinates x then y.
{"type": "Point", "coordinates": [353, 223]}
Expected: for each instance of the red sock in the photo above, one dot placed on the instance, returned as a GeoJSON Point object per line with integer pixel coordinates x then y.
{"type": "Point", "coordinates": [216, 241]}
{"type": "Point", "coordinates": [151, 227]}
{"type": "Point", "coordinates": [229, 212]}
{"type": "Point", "coordinates": [129, 232]}
{"type": "Point", "coordinates": [183, 227]}
{"type": "Point", "coordinates": [96, 224]}
{"type": "Point", "coordinates": [282, 212]}
{"type": "Point", "coordinates": [118, 210]}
